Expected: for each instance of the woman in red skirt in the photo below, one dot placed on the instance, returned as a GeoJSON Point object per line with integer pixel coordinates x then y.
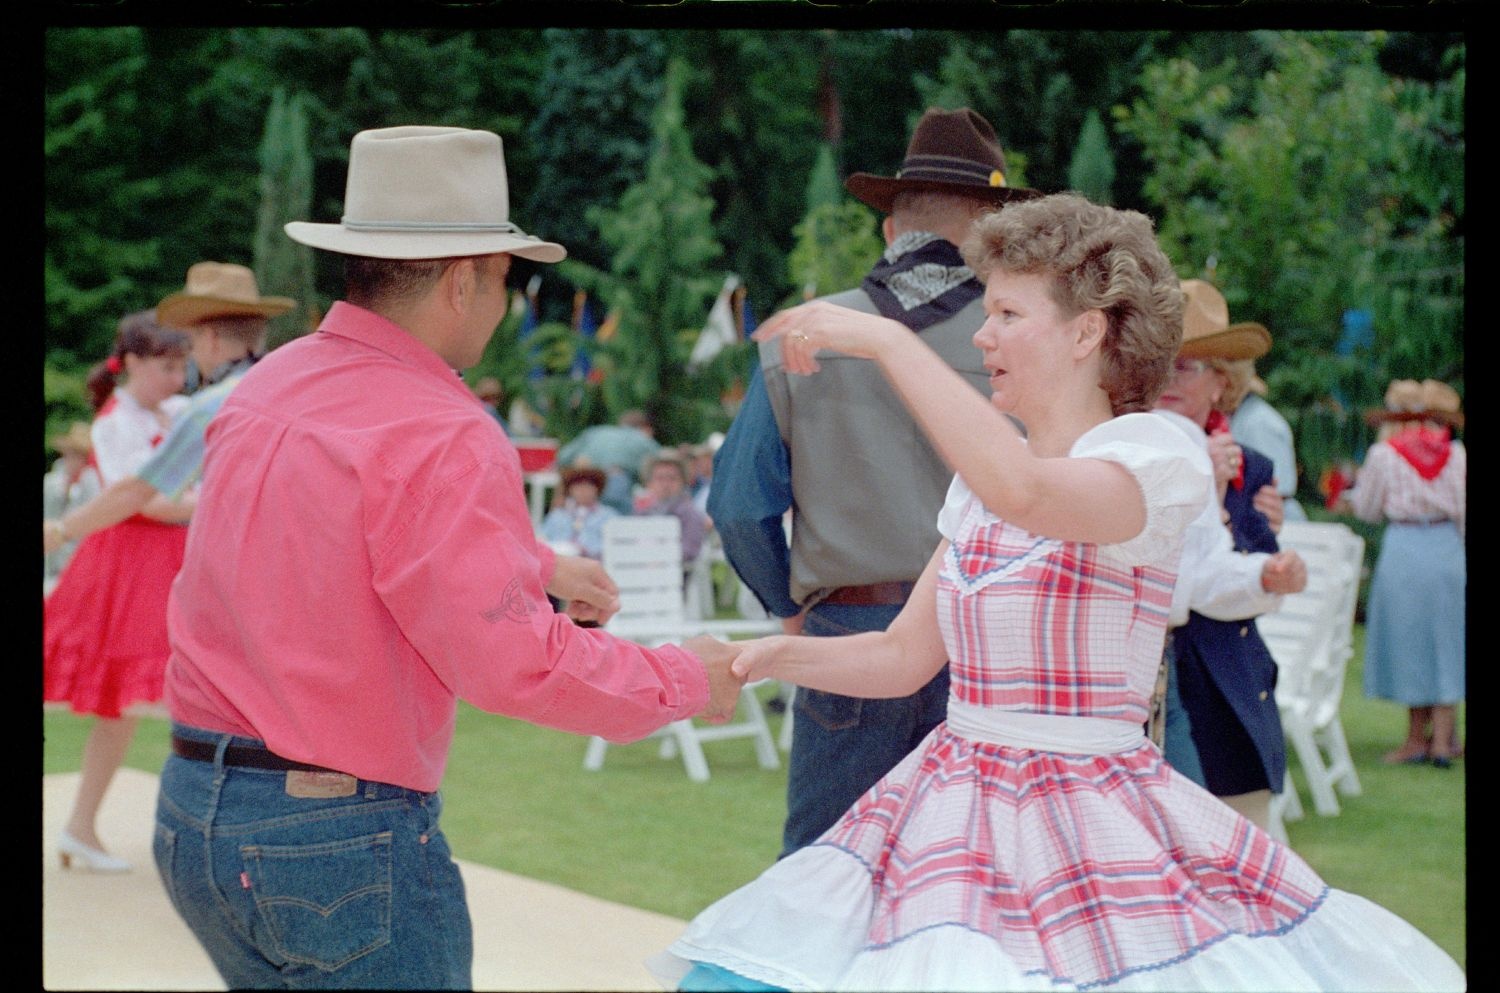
{"type": "Point", "coordinates": [105, 624]}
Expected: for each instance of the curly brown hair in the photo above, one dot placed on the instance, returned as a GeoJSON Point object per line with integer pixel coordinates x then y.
{"type": "Point", "coordinates": [1099, 258]}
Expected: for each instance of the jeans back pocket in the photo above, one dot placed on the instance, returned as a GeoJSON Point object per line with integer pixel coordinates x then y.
{"type": "Point", "coordinates": [325, 904]}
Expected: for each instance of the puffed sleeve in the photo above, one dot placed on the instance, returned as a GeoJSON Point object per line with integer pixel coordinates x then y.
{"type": "Point", "coordinates": [1172, 480]}
{"type": "Point", "coordinates": [952, 513]}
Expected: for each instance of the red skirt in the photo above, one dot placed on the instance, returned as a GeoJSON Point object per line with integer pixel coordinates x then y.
{"type": "Point", "coordinates": [104, 636]}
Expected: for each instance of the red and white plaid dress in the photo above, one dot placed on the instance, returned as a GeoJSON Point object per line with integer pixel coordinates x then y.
{"type": "Point", "coordinates": [1037, 840]}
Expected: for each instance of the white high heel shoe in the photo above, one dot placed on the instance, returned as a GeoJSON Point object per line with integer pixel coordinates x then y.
{"type": "Point", "coordinates": [70, 848]}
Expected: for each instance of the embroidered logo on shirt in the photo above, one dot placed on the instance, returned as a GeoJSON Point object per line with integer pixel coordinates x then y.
{"type": "Point", "coordinates": [513, 605]}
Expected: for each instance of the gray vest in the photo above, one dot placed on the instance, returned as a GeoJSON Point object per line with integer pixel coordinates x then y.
{"type": "Point", "coordinates": [866, 484]}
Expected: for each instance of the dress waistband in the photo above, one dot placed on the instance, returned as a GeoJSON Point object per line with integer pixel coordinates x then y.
{"type": "Point", "coordinates": [1043, 732]}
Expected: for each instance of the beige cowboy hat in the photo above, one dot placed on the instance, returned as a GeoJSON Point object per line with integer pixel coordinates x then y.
{"type": "Point", "coordinates": [1206, 331]}
{"type": "Point", "coordinates": [1409, 400]}
{"type": "Point", "coordinates": [417, 192]}
{"type": "Point", "coordinates": [76, 440]}
{"type": "Point", "coordinates": [218, 289]}
{"type": "Point", "coordinates": [952, 151]}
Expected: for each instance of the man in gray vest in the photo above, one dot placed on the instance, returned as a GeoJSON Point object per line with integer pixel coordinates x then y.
{"type": "Point", "coordinates": [863, 484]}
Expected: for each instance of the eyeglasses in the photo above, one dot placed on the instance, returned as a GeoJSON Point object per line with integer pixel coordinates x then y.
{"type": "Point", "coordinates": [1189, 367]}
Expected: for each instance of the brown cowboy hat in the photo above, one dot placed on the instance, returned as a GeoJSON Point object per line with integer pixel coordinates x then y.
{"type": "Point", "coordinates": [1409, 400]}
{"type": "Point", "coordinates": [1206, 331]}
{"type": "Point", "coordinates": [218, 289]}
{"type": "Point", "coordinates": [582, 473]}
{"type": "Point", "coordinates": [953, 151]}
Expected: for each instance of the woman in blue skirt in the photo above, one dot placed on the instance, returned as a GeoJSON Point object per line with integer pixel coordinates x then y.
{"type": "Point", "coordinates": [1414, 478]}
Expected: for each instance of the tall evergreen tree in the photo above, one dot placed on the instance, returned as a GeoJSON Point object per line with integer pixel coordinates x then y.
{"type": "Point", "coordinates": [662, 279]}
{"type": "Point", "coordinates": [1092, 171]}
{"type": "Point", "coordinates": [282, 266]}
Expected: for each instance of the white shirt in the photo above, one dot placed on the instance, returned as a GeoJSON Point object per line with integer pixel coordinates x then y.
{"type": "Point", "coordinates": [1214, 579]}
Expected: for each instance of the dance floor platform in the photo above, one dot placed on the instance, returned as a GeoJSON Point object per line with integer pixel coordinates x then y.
{"type": "Point", "coordinates": [119, 932]}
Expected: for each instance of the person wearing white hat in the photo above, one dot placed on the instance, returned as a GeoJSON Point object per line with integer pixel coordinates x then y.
{"type": "Point", "coordinates": [361, 559]}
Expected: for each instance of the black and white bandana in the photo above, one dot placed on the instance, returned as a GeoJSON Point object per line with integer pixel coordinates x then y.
{"type": "Point", "coordinates": [921, 280]}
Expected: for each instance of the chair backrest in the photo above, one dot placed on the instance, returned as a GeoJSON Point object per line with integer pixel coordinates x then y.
{"type": "Point", "coordinates": [643, 555]}
{"type": "Point", "coordinates": [1311, 636]}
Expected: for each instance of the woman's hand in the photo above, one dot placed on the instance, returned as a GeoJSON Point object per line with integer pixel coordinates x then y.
{"type": "Point", "coordinates": [758, 656]}
{"type": "Point", "coordinates": [805, 329]}
{"type": "Point", "coordinates": [1226, 456]}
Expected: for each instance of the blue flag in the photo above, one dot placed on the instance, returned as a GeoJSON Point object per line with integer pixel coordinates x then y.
{"type": "Point", "coordinates": [587, 327]}
{"type": "Point", "coordinates": [529, 321]}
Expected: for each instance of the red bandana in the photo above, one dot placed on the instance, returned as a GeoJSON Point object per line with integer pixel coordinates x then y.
{"type": "Point", "coordinates": [1426, 449]}
{"type": "Point", "coordinates": [1219, 424]}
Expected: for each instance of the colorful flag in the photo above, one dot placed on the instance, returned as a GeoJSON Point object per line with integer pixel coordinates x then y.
{"type": "Point", "coordinates": [747, 316]}
{"type": "Point", "coordinates": [720, 331]}
{"type": "Point", "coordinates": [529, 321]}
{"type": "Point", "coordinates": [584, 324]}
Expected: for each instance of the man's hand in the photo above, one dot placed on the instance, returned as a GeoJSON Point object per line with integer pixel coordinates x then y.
{"type": "Point", "coordinates": [1271, 503]}
{"type": "Point", "coordinates": [723, 685]}
{"type": "Point", "coordinates": [590, 594]}
{"type": "Point", "coordinates": [1284, 572]}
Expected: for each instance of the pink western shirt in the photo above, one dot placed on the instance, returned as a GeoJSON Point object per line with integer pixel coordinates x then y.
{"type": "Point", "coordinates": [361, 557]}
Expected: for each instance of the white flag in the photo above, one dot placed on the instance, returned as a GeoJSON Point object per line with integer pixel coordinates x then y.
{"type": "Point", "coordinates": [720, 332]}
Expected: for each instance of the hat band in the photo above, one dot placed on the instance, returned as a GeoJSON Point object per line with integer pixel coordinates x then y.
{"type": "Point", "coordinates": [432, 226]}
{"type": "Point", "coordinates": [948, 170]}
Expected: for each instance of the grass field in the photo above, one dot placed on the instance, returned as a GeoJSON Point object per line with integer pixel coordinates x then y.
{"type": "Point", "coordinates": [640, 833]}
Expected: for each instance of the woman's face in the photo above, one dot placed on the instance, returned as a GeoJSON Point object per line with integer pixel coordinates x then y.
{"type": "Point", "coordinates": [665, 483]}
{"type": "Point", "coordinates": [1025, 341]}
{"type": "Point", "coordinates": [154, 378]}
{"type": "Point", "coordinates": [1193, 390]}
{"type": "Point", "coordinates": [584, 492]}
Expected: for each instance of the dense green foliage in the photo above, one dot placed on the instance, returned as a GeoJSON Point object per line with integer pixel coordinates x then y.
{"type": "Point", "coordinates": [1320, 172]}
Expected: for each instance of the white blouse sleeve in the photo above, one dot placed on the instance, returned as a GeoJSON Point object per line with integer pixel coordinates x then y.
{"type": "Point", "coordinates": [1172, 481]}
{"type": "Point", "coordinates": [952, 514]}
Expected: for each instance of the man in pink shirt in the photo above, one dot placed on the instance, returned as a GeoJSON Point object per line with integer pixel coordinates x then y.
{"type": "Point", "coordinates": [362, 558]}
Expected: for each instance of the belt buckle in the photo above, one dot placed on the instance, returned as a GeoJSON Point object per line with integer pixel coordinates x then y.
{"type": "Point", "coordinates": [320, 785]}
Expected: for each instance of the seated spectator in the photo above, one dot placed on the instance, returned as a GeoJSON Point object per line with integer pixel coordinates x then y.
{"type": "Point", "coordinates": [579, 521]}
{"type": "Point", "coordinates": [666, 493]}
{"type": "Point", "coordinates": [617, 449]}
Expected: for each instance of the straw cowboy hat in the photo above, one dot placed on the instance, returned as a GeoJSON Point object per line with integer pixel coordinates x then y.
{"type": "Point", "coordinates": [953, 151]}
{"type": "Point", "coordinates": [1206, 331]}
{"type": "Point", "coordinates": [1409, 400]}
{"type": "Point", "coordinates": [74, 441]}
{"type": "Point", "coordinates": [218, 289]}
{"type": "Point", "coordinates": [417, 192]}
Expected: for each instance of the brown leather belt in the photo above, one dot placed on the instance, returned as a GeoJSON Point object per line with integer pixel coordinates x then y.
{"type": "Point", "coordinates": [245, 756]}
{"type": "Point", "coordinates": [873, 595]}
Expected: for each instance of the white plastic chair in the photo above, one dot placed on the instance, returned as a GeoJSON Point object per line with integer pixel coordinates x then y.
{"type": "Point", "coordinates": [1311, 637]}
{"type": "Point", "coordinates": [643, 555]}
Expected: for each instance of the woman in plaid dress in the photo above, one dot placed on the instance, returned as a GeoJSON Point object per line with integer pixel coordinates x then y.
{"type": "Point", "coordinates": [1037, 840]}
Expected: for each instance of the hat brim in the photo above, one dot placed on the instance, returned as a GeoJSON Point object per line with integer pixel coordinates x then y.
{"type": "Point", "coordinates": [1380, 416]}
{"type": "Point", "coordinates": [880, 191]}
{"type": "Point", "coordinates": [182, 309]}
{"type": "Point", "coordinates": [421, 245]}
{"type": "Point", "coordinates": [1238, 341]}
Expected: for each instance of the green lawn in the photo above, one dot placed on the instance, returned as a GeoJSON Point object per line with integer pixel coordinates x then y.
{"type": "Point", "coordinates": [641, 833]}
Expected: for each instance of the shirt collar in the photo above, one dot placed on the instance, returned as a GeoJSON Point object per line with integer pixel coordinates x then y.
{"type": "Point", "coordinates": [347, 320]}
{"type": "Point", "coordinates": [226, 369]}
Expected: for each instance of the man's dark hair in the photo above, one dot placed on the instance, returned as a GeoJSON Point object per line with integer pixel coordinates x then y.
{"type": "Point", "coordinates": [370, 282]}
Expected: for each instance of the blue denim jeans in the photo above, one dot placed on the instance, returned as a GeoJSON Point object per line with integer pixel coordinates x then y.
{"type": "Point", "coordinates": [301, 893]}
{"type": "Point", "coordinates": [842, 745]}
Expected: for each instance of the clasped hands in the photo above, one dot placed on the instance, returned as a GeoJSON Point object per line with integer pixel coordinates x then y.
{"type": "Point", "coordinates": [730, 665]}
